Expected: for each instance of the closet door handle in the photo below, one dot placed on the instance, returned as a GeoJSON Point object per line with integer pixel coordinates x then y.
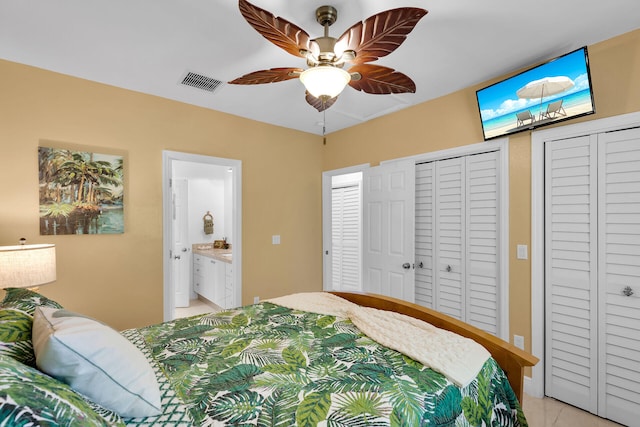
{"type": "Point", "coordinates": [627, 291]}
{"type": "Point", "coordinates": [406, 266]}
{"type": "Point", "coordinates": [448, 268]}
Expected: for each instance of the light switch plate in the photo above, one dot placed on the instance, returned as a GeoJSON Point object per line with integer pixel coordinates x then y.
{"type": "Point", "coordinates": [518, 341]}
{"type": "Point", "coordinates": [275, 240]}
{"type": "Point", "coordinates": [522, 252]}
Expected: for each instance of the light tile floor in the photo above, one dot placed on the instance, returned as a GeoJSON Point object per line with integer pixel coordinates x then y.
{"type": "Point", "coordinates": [196, 306]}
{"type": "Point", "coordinates": [548, 412]}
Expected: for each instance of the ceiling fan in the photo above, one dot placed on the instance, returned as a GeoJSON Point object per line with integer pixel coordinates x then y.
{"type": "Point", "coordinates": [364, 42]}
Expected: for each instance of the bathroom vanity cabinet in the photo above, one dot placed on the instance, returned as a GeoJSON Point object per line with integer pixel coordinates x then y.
{"type": "Point", "coordinates": [213, 278]}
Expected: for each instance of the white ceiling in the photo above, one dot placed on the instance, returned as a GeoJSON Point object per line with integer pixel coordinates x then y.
{"type": "Point", "coordinates": [149, 45]}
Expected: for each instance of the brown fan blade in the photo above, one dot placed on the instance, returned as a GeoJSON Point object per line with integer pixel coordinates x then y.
{"type": "Point", "coordinates": [272, 75]}
{"type": "Point", "coordinates": [379, 80]}
{"type": "Point", "coordinates": [380, 34]}
{"type": "Point", "coordinates": [318, 104]}
{"type": "Point", "coordinates": [277, 30]}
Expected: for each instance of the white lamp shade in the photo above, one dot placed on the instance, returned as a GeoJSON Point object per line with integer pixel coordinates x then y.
{"type": "Point", "coordinates": [325, 80]}
{"type": "Point", "coordinates": [27, 266]}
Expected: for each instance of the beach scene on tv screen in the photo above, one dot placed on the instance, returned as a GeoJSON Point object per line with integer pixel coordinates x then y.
{"type": "Point", "coordinates": [553, 91]}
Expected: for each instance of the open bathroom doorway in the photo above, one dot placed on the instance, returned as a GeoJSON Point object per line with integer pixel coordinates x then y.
{"type": "Point", "coordinates": [193, 185]}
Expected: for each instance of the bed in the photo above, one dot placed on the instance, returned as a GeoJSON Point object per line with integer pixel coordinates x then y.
{"type": "Point", "coordinates": [267, 364]}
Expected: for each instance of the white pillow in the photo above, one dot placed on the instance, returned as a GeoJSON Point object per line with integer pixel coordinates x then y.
{"type": "Point", "coordinates": [96, 361]}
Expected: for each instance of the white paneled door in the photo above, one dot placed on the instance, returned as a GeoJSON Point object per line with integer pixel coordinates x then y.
{"type": "Point", "coordinates": [180, 264]}
{"type": "Point", "coordinates": [592, 275]}
{"type": "Point", "coordinates": [388, 229]}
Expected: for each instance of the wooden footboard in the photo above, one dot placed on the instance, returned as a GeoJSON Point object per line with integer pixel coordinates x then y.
{"type": "Point", "coordinates": [510, 358]}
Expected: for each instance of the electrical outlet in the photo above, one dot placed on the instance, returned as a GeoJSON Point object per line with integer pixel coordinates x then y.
{"type": "Point", "coordinates": [522, 252]}
{"type": "Point", "coordinates": [256, 300]}
{"type": "Point", "coordinates": [518, 341]}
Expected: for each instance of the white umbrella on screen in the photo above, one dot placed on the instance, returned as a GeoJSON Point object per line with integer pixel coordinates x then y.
{"type": "Point", "coordinates": [544, 87]}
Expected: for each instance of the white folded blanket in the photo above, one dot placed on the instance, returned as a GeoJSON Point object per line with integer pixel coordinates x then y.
{"type": "Point", "coordinates": [316, 302]}
{"type": "Point", "coordinates": [458, 358]}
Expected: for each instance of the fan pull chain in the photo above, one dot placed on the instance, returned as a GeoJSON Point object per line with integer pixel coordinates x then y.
{"type": "Point", "coordinates": [324, 122]}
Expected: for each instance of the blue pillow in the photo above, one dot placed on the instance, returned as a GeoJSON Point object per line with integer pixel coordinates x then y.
{"type": "Point", "coordinates": [97, 361]}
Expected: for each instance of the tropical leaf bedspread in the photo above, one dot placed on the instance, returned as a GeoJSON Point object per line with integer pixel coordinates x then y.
{"type": "Point", "coordinates": [268, 365]}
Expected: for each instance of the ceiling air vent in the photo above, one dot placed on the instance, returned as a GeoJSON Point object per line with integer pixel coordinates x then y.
{"type": "Point", "coordinates": [201, 82]}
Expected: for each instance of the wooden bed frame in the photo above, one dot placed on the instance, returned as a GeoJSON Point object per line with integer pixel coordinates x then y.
{"type": "Point", "coordinates": [510, 358]}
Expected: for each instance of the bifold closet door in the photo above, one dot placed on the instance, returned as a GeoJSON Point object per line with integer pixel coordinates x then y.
{"type": "Point", "coordinates": [482, 237]}
{"type": "Point", "coordinates": [425, 177]}
{"type": "Point", "coordinates": [592, 279]}
{"type": "Point", "coordinates": [619, 276]}
{"type": "Point", "coordinates": [449, 265]}
{"type": "Point", "coordinates": [457, 238]}
{"type": "Point", "coordinates": [439, 236]}
{"type": "Point", "coordinates": [571, 271]}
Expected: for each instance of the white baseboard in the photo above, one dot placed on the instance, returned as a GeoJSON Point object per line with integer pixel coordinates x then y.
{"type": "Point", "coordinates": [530, 389]}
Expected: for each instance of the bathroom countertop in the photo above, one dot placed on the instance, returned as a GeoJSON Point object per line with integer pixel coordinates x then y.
{"type": "Point", "coordinates": [224, 255]}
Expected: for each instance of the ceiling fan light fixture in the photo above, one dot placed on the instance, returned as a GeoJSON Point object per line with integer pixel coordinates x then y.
{"type": "Point", "coordinates": [364, 42]}
{"type": "Point", "coordinates": [325, 80]}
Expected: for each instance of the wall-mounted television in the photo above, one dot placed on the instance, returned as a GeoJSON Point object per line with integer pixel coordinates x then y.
{"type": "Point", "coordinates": [557, 90]}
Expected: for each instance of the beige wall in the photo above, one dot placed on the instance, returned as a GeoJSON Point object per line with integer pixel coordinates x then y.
{"type": "Point", "coordinates": [453, 121]}
{"type": "Point", "coordinates": [118, 278]}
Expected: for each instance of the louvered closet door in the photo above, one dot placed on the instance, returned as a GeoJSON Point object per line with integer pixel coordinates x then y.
{"type": "Point", "coordinates": [425, 177]}
{"type": "Point", "coordinates": [593, 273]}
{"type": "Point", "coordinates": [346, 238]}
{"type": "Point", "coordinates": [449, 237]}
{"type": "Point", "coordinates": [571, 281]}
{"type": "Point", "coordinates": [457, 238]}
{"type": "Point", "coordinates": [482, 241]}
{"type": "Point", "coordinates": [619, 276]}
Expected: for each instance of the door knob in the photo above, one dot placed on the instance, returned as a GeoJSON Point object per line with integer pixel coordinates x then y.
{"type": "Point", "coordinates": [406, 266]}
{"type": "Point", "coordinates": [448, 268]}
{"type": "Point", "coordinates": [176, 257]}
{"type": "Point", "coordinates": [184, 249]}
{"type": "Point", "coordinates": [627, 291]}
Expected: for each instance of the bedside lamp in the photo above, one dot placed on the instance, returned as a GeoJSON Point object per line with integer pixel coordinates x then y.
{"type": "Point", "coordinates": [27, 266]}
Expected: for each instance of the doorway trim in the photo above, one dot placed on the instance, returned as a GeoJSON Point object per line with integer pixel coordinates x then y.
{"type": "Point", "coordinates": [538, 139]}
{"type": "Point", "coordinates": [168, 157]}
{"type": "Point", "coordinates": [326, 220]}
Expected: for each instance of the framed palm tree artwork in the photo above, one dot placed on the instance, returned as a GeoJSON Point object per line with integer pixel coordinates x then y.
{"type": "Point", "coordinates": [81, 192]}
